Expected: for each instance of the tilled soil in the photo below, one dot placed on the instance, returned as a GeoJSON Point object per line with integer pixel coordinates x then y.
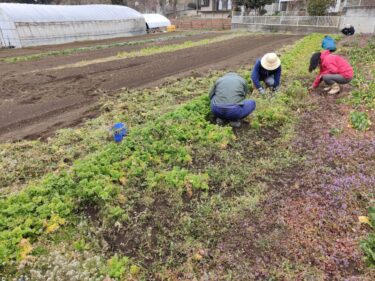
{"type": "Point", "coordinates": [5, 53]}
{"type": "Point", "coordinates": [36, 101]}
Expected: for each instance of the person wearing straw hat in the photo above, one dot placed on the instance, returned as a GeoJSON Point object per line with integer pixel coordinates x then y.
{"type": "Point", "coordinates": [267, 69]}
{"type": "Point", "coordinates": [228, 103]}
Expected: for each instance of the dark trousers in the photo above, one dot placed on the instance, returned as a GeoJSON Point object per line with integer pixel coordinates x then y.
{"type": "Point", "coordinates": [233, 112]}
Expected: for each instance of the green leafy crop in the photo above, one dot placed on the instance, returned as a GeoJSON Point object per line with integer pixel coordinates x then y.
{"type": "Point", "coordinates": [359, 120]}
{"type": "Point", "coordinates": [368, 244]}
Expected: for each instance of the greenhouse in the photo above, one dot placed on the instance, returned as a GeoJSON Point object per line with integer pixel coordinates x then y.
{"type": "Point", "coordinates": [156, 21]}
{"type": "Point", "coordinates": [23, 25]}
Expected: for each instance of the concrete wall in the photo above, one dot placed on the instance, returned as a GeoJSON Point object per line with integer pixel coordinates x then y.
{"type": "Point", "coordinates": [361, 17]}
{"type": "Point", "coordinates": [359, 11]}
{"type": "Point", "coordinates": [361, 24]}
{"type": "Point", "coordinates": [284, 28]}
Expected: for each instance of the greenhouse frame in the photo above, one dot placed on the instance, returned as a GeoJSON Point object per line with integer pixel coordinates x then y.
{"type": "Point", "coordinates": [23, 25]}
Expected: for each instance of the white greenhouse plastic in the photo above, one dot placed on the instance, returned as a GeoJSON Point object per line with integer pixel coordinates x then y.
{"type": "Point", "coordinates": [24, 25]}
{"type": "Point", "coordinates": [156, 20]}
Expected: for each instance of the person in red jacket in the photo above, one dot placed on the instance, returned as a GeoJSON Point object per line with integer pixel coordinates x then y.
{"type": "Point", "coordinates": [334, 70]}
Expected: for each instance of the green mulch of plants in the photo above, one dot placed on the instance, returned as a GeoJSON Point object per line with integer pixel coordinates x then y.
{"type": "Point", "coordinates": [27, 160]}
{"type": "Point", "coordinates": [158, 200]}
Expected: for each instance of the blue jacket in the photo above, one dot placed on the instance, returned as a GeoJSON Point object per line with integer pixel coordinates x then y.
{"type": "Point", "coordinates": [328, 43]}
{"type": "Point", "coordinates": [259, 74]}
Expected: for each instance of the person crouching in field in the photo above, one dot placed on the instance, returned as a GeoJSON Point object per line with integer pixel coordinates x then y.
{"type": "Point", "coordinates": [329, 44]}
{"type": "Point", "coordinates": [334, 70]}
{"type": "Point", "coordinates": [228, 101]}
{"type": "Point", "coordinates": [267, 69]}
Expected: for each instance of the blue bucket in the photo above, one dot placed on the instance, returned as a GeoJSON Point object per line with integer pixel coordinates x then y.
{"type": "Point", "coordinates": [119, 131]}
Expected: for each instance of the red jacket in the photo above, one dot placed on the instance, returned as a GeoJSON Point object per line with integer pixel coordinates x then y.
{"type": "Point", "coordinates": [333, 64]}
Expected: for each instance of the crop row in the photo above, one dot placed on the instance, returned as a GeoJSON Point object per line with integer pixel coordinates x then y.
{"type": "Point", "coordinates": [362, 98]}
{"type": "Point", "coordinates": [153, 50]}
{"type": "Point", "coordinates": [151, 150]}
{"type": "Point", "coordinates": [155, 157]}
{"type": "Point", "coordinates": [70, 51]}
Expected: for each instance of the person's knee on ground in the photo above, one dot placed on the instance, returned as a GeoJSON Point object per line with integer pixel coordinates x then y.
{"type": "Point", "coordinates": [270, 81]}
{"type": "Point", "coordinates": [247, 108]}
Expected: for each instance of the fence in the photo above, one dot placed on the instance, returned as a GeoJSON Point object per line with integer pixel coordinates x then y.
{"type": "Point", "coordinates": [330, 21]}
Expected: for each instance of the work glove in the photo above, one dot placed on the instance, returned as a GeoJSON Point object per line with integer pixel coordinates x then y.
{"type": "Point", "coordinates": [261, 91]}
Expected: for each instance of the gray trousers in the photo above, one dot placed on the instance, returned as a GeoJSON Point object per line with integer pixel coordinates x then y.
{"type": "Point", "coordinates": [330, 79]}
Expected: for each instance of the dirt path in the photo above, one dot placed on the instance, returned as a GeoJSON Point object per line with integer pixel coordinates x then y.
{"type": "Point", "coordinates": [308, 228]}
{"type": "Point", "coordinates": [37, 104]}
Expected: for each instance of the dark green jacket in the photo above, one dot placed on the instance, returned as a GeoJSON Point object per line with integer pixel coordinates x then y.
{"type": "Point", "coordinates": [229, 90]}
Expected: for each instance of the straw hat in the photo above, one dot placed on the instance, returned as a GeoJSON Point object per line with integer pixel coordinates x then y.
{"type": "Point", "coordinates": [270, 61]}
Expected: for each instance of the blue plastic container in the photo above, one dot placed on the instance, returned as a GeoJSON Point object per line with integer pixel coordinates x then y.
{"type": "Point", "coordinates": [119, 131]}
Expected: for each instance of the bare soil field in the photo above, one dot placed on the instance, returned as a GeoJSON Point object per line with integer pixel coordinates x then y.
{"type": "Point", "coordinates": [36, 101]}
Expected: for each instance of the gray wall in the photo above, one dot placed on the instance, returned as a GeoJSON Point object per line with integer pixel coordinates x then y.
{"type": "Point", "coordinates": [362, 18]}
{"type": "Point", "coordinates": [361, 24]}
{"type": "Point", "coordinates": [358, 11]}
